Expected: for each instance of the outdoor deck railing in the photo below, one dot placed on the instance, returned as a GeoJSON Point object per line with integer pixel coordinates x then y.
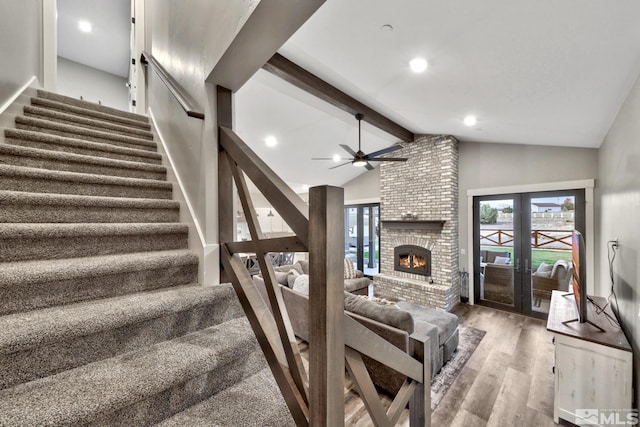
{"type": "Point", "coordinates": [545, 239]}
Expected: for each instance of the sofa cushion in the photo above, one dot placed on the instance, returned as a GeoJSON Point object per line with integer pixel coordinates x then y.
{"type": "Point", "coordinates": [351, 285]}
{"type": "Point", "coordinates": [502, 260]}
{"type": "Point", "coordinates": [281, 277]}
{"type": "Point", "coordinates": [446, 322]}
{"type": "Point", "coordinates": [559, 269]}
{"type": "Point", "coordinates": [387, 314]}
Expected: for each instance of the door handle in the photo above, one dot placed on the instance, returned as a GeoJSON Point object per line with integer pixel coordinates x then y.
{"type": "Point", "coordinates": [517, 266]}
{"type": "Point", "coordinates": [527, 269]}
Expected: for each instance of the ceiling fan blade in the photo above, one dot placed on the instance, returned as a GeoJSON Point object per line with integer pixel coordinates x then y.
{"type": "Point", "coordinates": [343, 164]}
{"type": "Point", "coordinates": [369, 166]}
{"type": "Point", "coordinates": [389, 159]}
{"type": "Point", "coordinates": [326, 158]}
{"type": "Point", "coordinates": [384, 151]}
{"type": "Point", "coordinates": [349, 150]}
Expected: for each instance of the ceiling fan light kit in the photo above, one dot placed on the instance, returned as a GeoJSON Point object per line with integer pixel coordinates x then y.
{"type": "Point", "coordinates": [359, 158]}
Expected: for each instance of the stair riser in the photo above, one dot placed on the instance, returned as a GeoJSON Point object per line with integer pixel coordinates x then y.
{"type": "Point", "coordinates": [34, 184]}
{"type": "Point", "coordinates": [63, 165]}
{"type": "Point", "coordinates": [49, 359]}
{"type": "Point", "coordinates": [80, 150]}
{"type": "Point", "coordinates": [91, 106]}
{"type": "Point", "coordinates": [25, 213]}
{"type": "Point", "coordinates": [133, 132]}
{"type": "Point", "coordinates": [182, 396]}
{"type": "Point", "coordinates": [24, 249]}
{"type": "Point", "coordinates": [48, 293]}
{"type": "Point", "coordinates": [89, 137]}
{"type": "Point", "coordinates": [88, 114]}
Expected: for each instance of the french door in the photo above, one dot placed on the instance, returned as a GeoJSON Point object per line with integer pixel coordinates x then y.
{"type": "Point", "coordinates": [361, 237]}
{"type": "Point", "coordinates": [522, 248]}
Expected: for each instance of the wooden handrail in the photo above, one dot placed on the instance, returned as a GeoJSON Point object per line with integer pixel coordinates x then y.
{"type": "Point", "coordinates": [185, 101]}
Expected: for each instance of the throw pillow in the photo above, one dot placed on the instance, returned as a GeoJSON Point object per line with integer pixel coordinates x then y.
{"type": "Point", "coordinates": [301, 284]}
{"type": "Point", "coordinates": [304, 266]}
{"type": "Point", "coordinates": [297, 267]}
{"type": "Point", "coordinates": [502, 260]}
{"type": "Point", "coordinates": [291, 277]}
{"type": "Point", "coordinates": [349, 269]}
{"type": "Point", "coordinates": [544, 270]}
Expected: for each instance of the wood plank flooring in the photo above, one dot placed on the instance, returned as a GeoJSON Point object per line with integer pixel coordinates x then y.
{"type": "Point", "coordinates": [507, 381]}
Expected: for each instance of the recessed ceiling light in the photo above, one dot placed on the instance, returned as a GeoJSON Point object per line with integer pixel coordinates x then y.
{"type": "Point", "coordinates": [271, 141]}
{"type": "Point", "coordinates": [84, 26]}
{"type": "Point", "coordinates": [336, 158]}
{"type": "Point", "coordinates": [418, 65]}
{"type": "Point", "coordinates": [470, 120]}
{"type": "Point", "coordinates": [305, 187]}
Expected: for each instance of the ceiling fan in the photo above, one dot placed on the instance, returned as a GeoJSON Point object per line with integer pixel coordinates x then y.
{"type": "Point", "coordinates": [359, 157]}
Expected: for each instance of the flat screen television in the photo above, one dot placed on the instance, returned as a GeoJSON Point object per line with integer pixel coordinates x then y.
{"type": "Point", "coordinates": [579, 278]}
{"type": "Point", "coordinates": [578, 282]}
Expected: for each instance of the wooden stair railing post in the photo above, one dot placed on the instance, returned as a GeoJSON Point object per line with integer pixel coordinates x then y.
{"type": "Point", "coordinates": [226, 226]}
{"type": "Point", "coordinates": [420, 403]}
{"type": "Point", "coordinates": [326, 306]}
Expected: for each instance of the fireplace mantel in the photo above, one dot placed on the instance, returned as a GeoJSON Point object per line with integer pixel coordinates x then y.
{"type": "Point", "coordinates": [432, 225]}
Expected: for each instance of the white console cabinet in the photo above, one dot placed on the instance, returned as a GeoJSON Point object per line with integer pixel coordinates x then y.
{"type": "Point", "coordinates": [593, 369]}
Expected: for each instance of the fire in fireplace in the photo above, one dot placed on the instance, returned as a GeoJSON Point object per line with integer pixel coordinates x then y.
{"type": "Point", "coordinates": [412, 259]}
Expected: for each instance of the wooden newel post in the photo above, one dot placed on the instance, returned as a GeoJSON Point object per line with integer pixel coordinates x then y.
{"type": "Point", "coordinates": [326, 306]}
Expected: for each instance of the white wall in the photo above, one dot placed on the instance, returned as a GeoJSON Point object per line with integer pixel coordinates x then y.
{"type": "Point", "coordinates": [20, 45]}
{"type": "Point", "coordinates": [78, 80]}
{"type": "Point", "coordinates": [365, 188]}
{"type": "Point", "coordinates": [485, 165]}
{"type": "Point", "coordinates": [618, 205]}
{"type": "Point", "coordinates": [188, 37]}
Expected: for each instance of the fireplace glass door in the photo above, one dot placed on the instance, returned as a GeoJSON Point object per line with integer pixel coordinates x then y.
{"type": "Point", "coordinates": [361, 237]}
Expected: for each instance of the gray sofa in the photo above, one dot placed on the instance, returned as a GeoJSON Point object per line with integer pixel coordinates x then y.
{"type": "Point", "coordinates": [358, 285]}
{"type": "Point", "coordinates": [395, 323]}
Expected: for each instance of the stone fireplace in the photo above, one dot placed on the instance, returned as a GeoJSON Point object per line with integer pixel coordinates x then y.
{"type": "Point", "coordinates": [419, 220]}
{"type": "Point", "coordinates": [412, 259]}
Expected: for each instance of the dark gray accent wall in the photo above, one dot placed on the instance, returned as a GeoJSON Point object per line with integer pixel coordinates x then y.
{"type": "Point", "coordinates": [20, 44]}
{"type": "Point", "coordinates": [618, 216]}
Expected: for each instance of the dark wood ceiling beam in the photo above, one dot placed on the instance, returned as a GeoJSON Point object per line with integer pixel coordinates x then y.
{"type": "Point", "coordinates": [298, 76]}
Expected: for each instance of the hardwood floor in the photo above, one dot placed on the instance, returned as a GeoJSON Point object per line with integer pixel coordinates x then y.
{"type": "Point", "coordinates": [507, 381]}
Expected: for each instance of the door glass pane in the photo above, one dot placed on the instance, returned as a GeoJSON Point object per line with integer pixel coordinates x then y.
{"type": "Point", "coordinates": [351, 234]}
{"type": "Point", "coordinates": [371, 240]}
{"type": "Point", "coordinates": [496, 251]}
{"type": "Point", "coordinates": [552, 221]}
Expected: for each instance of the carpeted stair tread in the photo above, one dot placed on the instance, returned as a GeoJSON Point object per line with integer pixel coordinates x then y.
{"type": "Point", "coordinates": [26, 207]}
{"type": "Point", "coordinates": [78, 146]}
{"type": "Point", "coordinates": [22, 178]}
{"type": "Point", "coordinates": [85, 122]}
{"type": "Point", "coordinates": [90, 105]}
{"type": "Point", "coordinates": [45, 342]}
{"type": "Point", "coordinates": [57, 269]}
{"type": "Point", "coordinates": [21, 331]}
{"type": "Point", "coordinates": [100, 391]}
{"type": "Point", "coordinates": [58, 160]}
{"type": "Point", "coordinates": [48, 104]}
{"type": "Point", "coordinates": [255, 401]}
{"type": "Point", "coordinates": [62, 129]}
{"type": "Point", "coordinates": [21, 242]}
{"type": "Point", "coordinates": [31, 285]}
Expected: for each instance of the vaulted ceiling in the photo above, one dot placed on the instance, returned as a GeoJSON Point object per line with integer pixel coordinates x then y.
{"type": "Point", "coordinates": [542, 72]}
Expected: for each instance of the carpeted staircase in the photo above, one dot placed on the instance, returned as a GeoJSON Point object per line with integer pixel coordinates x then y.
{"type": "Point", "coordinates": [101, 319]}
